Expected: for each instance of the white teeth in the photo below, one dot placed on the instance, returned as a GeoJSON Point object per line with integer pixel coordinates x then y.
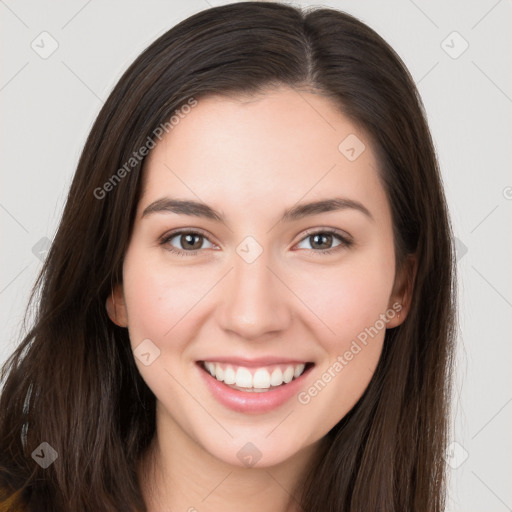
{"type": "Point", "coordinates": [229, 375]}
{"type": "Point", "coordinates": [298, 370]}
{"type": "Point", "coordinates": [261, 380]}
{"type": "Point", "coordinates": [211, 368]}
{"type": "Point", "coordinates": [243, 378]}
{"type": "Point", "coordinates": [219, 372]}
{"type": "Point", "coordinates": [288, 374]}
{"type": "Point", "coordinates": [277, 377]}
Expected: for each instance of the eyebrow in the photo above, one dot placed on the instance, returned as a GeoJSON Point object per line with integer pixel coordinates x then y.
{"type": "Point", "coordinates": [299, 211]}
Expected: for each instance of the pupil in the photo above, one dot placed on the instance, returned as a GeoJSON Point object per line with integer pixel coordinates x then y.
{"type": "Point", "coordinates": [189, 240]}
{"type": "Point", "coordinates": [321, 236]}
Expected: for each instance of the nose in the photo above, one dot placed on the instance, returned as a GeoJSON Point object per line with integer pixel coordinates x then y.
{"type": "Point", "coordinates": [256, 302]}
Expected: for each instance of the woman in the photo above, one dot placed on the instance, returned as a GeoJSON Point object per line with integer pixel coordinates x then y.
{"type": "Point", "coordinates": [249, 302]}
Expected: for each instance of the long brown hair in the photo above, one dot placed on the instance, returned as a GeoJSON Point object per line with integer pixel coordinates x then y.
{"type": "Point", "coordinates": [73, 383]}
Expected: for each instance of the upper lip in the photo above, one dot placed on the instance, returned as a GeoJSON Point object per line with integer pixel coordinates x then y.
{"type": "Point", "coordinates": [255, 362]}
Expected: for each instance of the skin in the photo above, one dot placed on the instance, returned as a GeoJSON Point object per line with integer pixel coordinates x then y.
{"type": "Point", "coordinates": [250, 158]}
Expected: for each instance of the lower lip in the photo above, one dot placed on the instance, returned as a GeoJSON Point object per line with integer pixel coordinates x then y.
{"type": "Point", "coordinates": [252, 402]}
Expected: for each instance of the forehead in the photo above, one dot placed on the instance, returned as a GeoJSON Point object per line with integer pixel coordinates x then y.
{"type": "Point", "coordinates": [263, 150]}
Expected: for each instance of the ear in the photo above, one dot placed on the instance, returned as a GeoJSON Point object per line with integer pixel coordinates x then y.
{"type": "Point", "coordinates": [116, 307]}
{"type": "Point", "coordinates": [401, 296]}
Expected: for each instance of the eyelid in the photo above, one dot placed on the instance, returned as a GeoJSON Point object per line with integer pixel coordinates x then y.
{"type": "Point", "coordinates": [180, 231]}
{"type": "Point", "coordinates": [346, 237]}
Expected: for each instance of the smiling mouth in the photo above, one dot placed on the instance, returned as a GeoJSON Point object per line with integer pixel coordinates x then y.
{"type": "Point", "coordinates": [255, 380]}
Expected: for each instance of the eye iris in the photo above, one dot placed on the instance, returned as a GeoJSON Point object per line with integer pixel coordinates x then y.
{"type": "Point", "coordinates": [186, 241]}
{"type": "Point", "coordinates": [321, 236]}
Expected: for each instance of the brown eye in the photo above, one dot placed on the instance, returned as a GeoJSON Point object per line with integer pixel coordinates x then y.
{"type": "Point", "coordinates": [325, 241]}
{"type": "Point", "coordinates": [321, 239]}
{"type": "Point", "coordinates": [191, 241]}
{"type": "Point", "coordinates": [184, 242]}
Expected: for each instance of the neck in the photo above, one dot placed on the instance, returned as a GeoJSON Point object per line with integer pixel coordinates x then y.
{"type": "Point", "coordinates": [176, 473]}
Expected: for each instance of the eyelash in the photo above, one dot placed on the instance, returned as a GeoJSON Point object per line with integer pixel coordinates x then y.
{"type": "Point", "coordinates": [346, 242]}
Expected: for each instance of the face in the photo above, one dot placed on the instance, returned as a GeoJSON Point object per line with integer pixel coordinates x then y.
{"type": "Point", "coordinates": [256, 319]}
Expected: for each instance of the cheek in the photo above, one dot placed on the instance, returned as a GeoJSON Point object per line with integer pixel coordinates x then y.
{"type": "Point", "coordinates": [161, 302]}
{"type": "Point", "coordinates": [351, 306]}
{"type": "Point", "coordinates": [350, 298]}
{"type": "Point", "coordinates": [156, 297]}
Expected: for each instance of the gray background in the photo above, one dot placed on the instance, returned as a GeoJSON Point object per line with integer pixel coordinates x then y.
{"type": "Point", "coordinates": [49, 104]}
